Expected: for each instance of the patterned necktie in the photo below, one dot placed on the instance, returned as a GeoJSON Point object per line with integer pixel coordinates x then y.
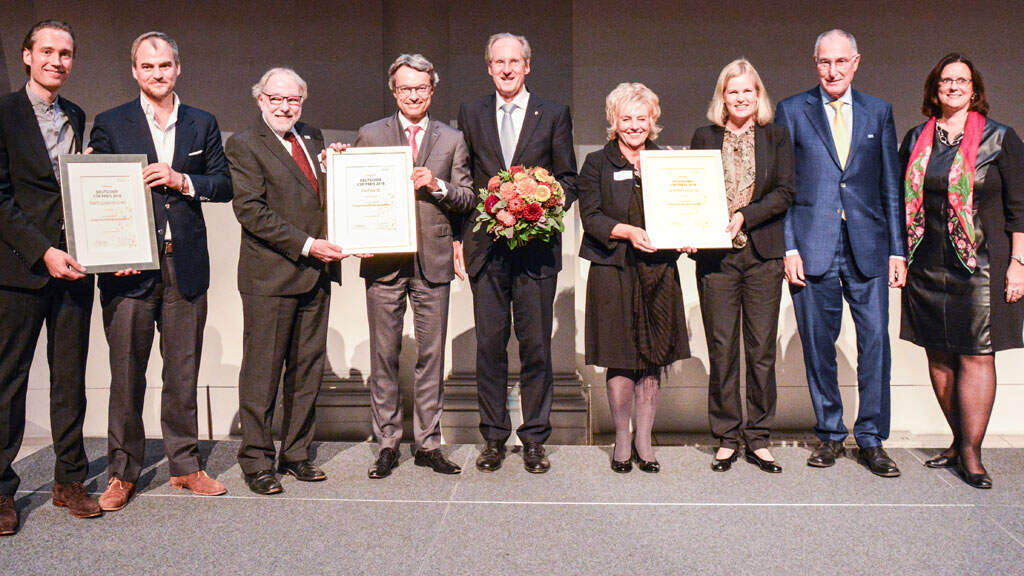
{"type": "Point", "coordinates": [412, 130]}
{"type": "Point", "coordinates": [507, 133]}
{"type": "Point", "coordinates": [839, 135]}
{"type": "Point", "coordinates": [300, 158]}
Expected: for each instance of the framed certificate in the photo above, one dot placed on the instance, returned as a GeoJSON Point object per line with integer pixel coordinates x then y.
{"type": "Point", "coordinates": [108, 212]}
{"type": "Point", "coordinates": [371, 204]}
{"type": "Point", "coordinates": [684, 198]}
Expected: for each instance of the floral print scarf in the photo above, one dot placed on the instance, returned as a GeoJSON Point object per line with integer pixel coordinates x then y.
{"type": "Point", "coordinates": [960, 219]}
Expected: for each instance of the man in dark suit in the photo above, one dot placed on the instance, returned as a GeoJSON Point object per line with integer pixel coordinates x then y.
{"type": "Point", "coordinates": [443, 192]}
{"type": "Point", "coordinates": [186, 168]}
{"type": "Point", "coordinates": [39, 281]}
{"type": "Point", "coordinates": [514, 127]}
{"type": "Point", "coordinates": [284, 279]}
{"type": "Point", "coordinates": [844, 238]}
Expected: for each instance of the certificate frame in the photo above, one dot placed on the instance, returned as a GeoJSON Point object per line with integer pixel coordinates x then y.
{"type": "Point", "coordinates": [685, 204]}
{"type": "Point", "coordinates": [111, 235]}
{"type": "Point", "coordinates": [371, 203]}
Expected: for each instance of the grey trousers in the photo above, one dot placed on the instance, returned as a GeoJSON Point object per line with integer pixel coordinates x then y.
{"type": "Point", "coordinates": [129, 324]}
{"type": "Point", "coordinates": [385, 309]}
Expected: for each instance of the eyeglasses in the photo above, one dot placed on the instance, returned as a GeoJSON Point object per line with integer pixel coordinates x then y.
{"type": "Point", "coordinates": [839, 63]}
{"type": "Point", "coordinates": [958, 82]}
{"type": "Point", "coordinates": [406, 91]}
{"type": "Point", "coordinates": [277, 100]}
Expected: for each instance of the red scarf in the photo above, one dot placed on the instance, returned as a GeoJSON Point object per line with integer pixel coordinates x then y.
{"type": "Point", "coordinates": [961, 190]}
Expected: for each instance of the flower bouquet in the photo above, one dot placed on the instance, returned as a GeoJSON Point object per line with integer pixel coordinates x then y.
{"type": "Point", "coordinates": [521, 204]}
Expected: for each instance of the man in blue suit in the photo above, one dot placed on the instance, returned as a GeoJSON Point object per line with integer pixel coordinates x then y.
{"type": "Point", "coordinates": [844, 239]}
{"type": "Point", "coordinates": [187, 167]}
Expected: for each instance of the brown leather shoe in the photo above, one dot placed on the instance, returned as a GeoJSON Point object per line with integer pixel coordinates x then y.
{"type": "Point", "coordinates": [199, 483]}
{"type": "Point", "coordinates": [78, 502]}
{"type": "Point", "coordinates": [8, 516]}
{"type": "Point", "coordinates": [117, 494]}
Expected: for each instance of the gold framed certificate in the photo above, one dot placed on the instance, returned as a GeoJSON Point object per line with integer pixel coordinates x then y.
{"type": "Point", "coordinates": [371, 204]}
{"type": "Point", "coordinates": [108, 212]}
{"type": "Point", "coordinates": [684, 198]}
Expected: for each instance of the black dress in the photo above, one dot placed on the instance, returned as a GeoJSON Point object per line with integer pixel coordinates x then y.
{"type": "Point", "coordinates": [945, 307]}
{"type": "Point", "coordinates": [611, 331]}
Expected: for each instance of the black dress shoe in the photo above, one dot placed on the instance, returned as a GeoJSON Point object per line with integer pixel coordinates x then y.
{"type": "Point", "coordinates": [305, 471]}
{"type": "Point", "coordinates": [387, 461]}
{"type": "Point", "coordinates": [435, 459]}
{"type": "Point", "coordinates": [981, 481]}
{"type": "Point", "coordinates": [649, 466]}
{"type": "Point", "coordinates": [724, 464]}
{"type": "Point", "coordinates": [878, 462]}
{"type": "Point", "coordinates": [825, 454]}
{"type": "Point", "coordinates": [490, 459]}
{"type": "Point", "coordinates": [767, 465]}
{"type": "Point", "coordinates": [534, 459]}
{"type": "Point", "coordinates": [263, 482]}
{"type": "Point", "coordinates": [941, 461]}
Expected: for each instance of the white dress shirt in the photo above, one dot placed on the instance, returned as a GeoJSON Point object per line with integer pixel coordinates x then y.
{"type": "Point", "coordinates": [518, 115]}
{"type": "Point", "coordinates": [406, 123]}
{"type": "Point", "coordinates": [288, 148]}
{"type": "Point", "coordinates": [163, 142]}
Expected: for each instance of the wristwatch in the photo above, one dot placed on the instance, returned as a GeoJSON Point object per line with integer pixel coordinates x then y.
{"type": "Point", "coordinates": [1018, 257]}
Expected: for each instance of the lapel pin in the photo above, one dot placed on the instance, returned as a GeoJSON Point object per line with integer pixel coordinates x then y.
{"type": "Point", "coordinates": [536, 112]}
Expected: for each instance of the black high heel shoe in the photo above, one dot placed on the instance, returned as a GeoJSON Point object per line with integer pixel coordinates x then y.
{"type": "Point", "coordinates": [981, 481]}
{"type": "Point", "coordinates": [650, 466]}
{"type": "Point", "coordinates": [769, 466]}
{"type": "Point", "coordinates": [942, 461]}
{"type": "Point", "coordinates": [624, 466]}
{"type": "Point", "coordinates": [725, 463]}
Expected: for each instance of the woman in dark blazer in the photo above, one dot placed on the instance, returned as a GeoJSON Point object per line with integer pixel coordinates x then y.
{"type": "Point", "coordinates": [742, 286]}
{"type": "Point", "coordinates": [635, 324]}
{"type": "Point", "coordinates": [964, 196]}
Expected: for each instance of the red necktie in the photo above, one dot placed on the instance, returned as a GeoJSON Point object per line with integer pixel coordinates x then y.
{"type": "Point", "coordinates": [412, 130]}
{"type": "Point", "coordinates": [300, 158]}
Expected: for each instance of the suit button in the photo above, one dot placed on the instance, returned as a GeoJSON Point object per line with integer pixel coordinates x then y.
{"type": "Point", "coordinates": [842, 185]}
{"type": "Point", "coordinates": [839, 210]}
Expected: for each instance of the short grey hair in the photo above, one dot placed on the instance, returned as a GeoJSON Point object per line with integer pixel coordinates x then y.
{"type": "Point", "coordinates": [258, 87]}
{"type": "Point", "coordinates": [836, 32]}
{"type": "Point", "coordinates": [155, 35]}
{"type": "Point", "coordinates": [416, 62]}
{"type": "Point", "coordinates": [503, 35]}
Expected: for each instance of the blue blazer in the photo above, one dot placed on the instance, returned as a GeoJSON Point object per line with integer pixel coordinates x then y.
{"type": "Point", "coordinates": [198, 152]}
{"type": "Point", "coordinates": [868, 190]}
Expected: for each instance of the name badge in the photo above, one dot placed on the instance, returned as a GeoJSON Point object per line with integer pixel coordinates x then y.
{"type": "Point", "coordinates": [623, 175]}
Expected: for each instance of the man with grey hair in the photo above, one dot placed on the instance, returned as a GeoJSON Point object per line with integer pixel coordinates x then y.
{"type": "Point", "coordinates": [285, 269]}
{"type": "Point", "coordinates": [186, 169]}
{"type": "Point", "coordinates": [844, 239]}
{"type": "Point", "coordinates": [443, 193]}
{"type": "Point", "coordinates": [508, 128]}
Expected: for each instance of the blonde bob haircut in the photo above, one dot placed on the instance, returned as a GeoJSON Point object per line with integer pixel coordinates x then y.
{"type": "Point", "coordinates": [717, 112]}
{"type": "Point", "coordinates": [631, 93]}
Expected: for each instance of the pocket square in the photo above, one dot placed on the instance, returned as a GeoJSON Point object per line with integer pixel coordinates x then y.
{"type": "Point", "coordinates": [871, 135]}
{"type": "Point", "coordinates": [196, 153]}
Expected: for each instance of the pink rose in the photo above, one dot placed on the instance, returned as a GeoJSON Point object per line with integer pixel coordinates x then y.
{"type": "Point", "coordinates": [508, 190]}
{"type": "Point", "coordinates": [506, 218]}
{"type": "Point", "coordinates": [494, 183]}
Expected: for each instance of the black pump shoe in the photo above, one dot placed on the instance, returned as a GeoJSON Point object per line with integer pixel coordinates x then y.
{"type": "Point", "coordinates": [650, 466]}
{"type": "Point", "coordinates": [981, 481]}
{"type": "Point", "coordinates": [725, 463]}
{"type": "Point", "coordinates": [942, 461]}
{"type": "Point", "coordinates": [769, 466]}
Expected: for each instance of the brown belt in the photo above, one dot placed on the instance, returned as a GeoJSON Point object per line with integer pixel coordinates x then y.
{"type": "Point", "coordinates": [168, 247]}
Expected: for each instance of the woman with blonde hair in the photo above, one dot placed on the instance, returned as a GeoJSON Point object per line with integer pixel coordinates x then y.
{"type": "Point", "coordinates": [740, 288]}
{"type": "Point", "coordinates": [635, 324]}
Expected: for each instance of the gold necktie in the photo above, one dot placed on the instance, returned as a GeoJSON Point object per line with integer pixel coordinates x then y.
{"type": "Point", "coordinates": [839, 135]}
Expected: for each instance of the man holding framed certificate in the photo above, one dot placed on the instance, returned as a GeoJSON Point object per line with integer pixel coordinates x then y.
{"type": "Point", "coordinates": [39, 281]}
{"type": "Point", "coordinates": [186, 168]}
{"type": "Point", "coordinates": [443, 191]}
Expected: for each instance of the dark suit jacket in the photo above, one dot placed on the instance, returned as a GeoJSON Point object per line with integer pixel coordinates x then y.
{"type": "Point", "coordinates": [443, 151]}
{"type": "Point", "coordinates": [773, 184]}
{"type": "Point", "coordinates": [278, 210]}
{"type": "Point", "coordinates": [546, 141]}
{"type": "Point", "coordinates": [31, 211]}
{"type": "Point", "coordinates": [604, 202]}
{"type": "Point", "coordinates": [199, 154]}
{"type": "Point", "coordinates": [868, 189]}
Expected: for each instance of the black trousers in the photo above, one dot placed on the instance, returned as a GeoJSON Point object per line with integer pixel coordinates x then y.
{"type": "Point", "coordinates": [288, 332]}
{"type": "Point", "coordinates": [65, 308]}
{"type": "Point", "coordinates": [503, 296]}
{"type": "Point", "coordinates": [129, 324]}
{"type": "Point", "coordinates": [740, 290]}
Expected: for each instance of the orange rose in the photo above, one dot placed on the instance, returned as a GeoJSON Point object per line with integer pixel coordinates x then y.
{"type": "Point", "coordinates": [507, 190]}
{"type": "Point", "coordinates": [516, 177]}
{"type": "Point", "coordinates": [493, 184]}
{"type": "Point", "coordinates": [527, 187]}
